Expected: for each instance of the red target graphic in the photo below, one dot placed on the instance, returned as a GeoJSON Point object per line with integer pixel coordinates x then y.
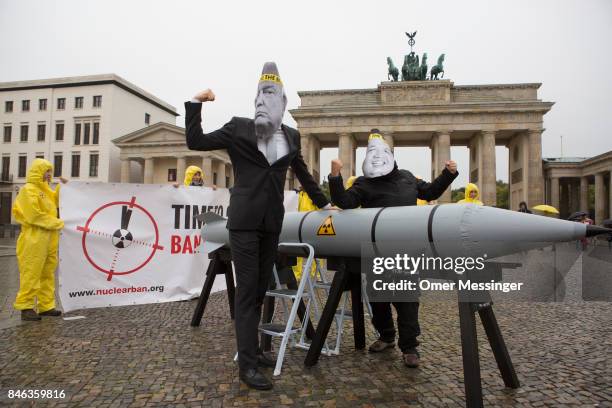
{"type": "Point", "coordinates": [122, 250]}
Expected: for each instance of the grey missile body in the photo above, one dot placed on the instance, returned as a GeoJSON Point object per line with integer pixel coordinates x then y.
{"type": "Point", "coordinates": [447, 230]}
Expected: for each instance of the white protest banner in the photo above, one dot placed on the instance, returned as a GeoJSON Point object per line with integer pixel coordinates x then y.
{"type": "Point", "coordinates": [126, 244]}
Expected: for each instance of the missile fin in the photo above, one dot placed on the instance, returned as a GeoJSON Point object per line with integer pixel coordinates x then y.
{"type": "Point", "coordinates": [210, 247]}
{"type": "Point", "coordinates": [209, 217]}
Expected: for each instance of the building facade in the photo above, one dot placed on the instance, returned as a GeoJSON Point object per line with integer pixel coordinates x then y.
{"type": "Point", "coordinates": [160, 153]}
{"type": "Point", "coordinates": [70, 122]}
{"type": "Point", "coordinates": [438, 115]}
{"type": "Point", "coordinates": [571, 180]}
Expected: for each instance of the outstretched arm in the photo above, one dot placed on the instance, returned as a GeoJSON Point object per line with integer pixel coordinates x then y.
{"type": "Point", "coordinates": [432, 191]}
{"type": "Point", "coordinates": [196, 138]}
{"type": "Point", "coordinates": [310, 185]}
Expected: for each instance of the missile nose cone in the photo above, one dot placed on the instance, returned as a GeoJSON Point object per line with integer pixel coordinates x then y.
{"type": "Point", "coordinates": [593, 230]}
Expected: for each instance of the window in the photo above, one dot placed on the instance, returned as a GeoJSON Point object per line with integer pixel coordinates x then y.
{"type": "Point", "coordinates": [96, 133]}
{"type": "Point", "coordinates": [24, 133]}
{"type": "Point", "coordinates": [171, 174]}
{"type": "Point", "coordinates": [215, 179]}
{"type": "Point", "coordinates": [87, 126]}
{"type": "Point", "coordinates": [59, 131]}
{"type": "Point", "coordinates": [25, 105]}
{"type": "Point", "coordinates": [77, 134]}
{"type": "Point", "coordinates": [40, 155]}
{"type": "Point", "coordinates": [93, 165]}
{"type": "Point", "coordinates": [97, 101]}
{"type": "Point", "coordinates": [6, 168]}
{"type": "Point", "coordinates": [57, 165]}
{"type": "Point", "coordinates": [8, 106]}
{"type": "Point", "coordinates": [61, 103]}
{"type": "Point", "coordinates": [8, 131]}
{"type": "Point", "coordinates": [78, 102]}
{"type": "Point", "coordinates": [41, 132]}
{"type": "Point", "coordinates": [147, 119]}
{"type": "Point", "coordinates": [42, 104]}
{"type": "Point", "coordinates": [22, 166]}
{"type": "Point", "coordinates": [76, 165]}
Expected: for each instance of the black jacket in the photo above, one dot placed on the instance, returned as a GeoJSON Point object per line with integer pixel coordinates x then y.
{"type": "Point", "coordinates": [256, 200]}
{"type": "Point", "coordinates": [398, 188]}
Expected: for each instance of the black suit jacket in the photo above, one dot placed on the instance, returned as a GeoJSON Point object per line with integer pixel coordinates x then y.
{"type": "Point", "coordinates": [256, 200]}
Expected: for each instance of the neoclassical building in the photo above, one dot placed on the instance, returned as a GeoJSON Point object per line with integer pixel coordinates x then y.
{"type": "Point", "coordinates": [568, 181]}
{"type": "Point", "coordinates": [438, 115]}
{"type": "Point", "coordinates": [158, 154]}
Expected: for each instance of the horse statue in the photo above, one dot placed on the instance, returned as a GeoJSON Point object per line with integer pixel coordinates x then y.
{"type": "Point", "coordinates": [405, 68]}
{"type": "Point", "coordinates": [423, 73]}
{"type": "Point", "coordinates": [410, 69]}
{"type": "Point", "coordinates": [393, 71]}
{"type": "Point", "coordinates": [437, 69]}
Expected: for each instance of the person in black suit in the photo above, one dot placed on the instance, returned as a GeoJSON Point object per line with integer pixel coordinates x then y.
{"type": "Point", "coordinates": [261, 150]}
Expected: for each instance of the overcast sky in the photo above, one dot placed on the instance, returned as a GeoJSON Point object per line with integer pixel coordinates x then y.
{"type": "Point", "coordinates": [175, 48]}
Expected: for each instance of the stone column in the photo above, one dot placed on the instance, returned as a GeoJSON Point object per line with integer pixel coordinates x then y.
{"type": "Point", "coordinates": [125, 170]}
{"type": "Point", "coordinates": [346, 153]}
{"type": "Point", "coordinates": [554, 192]}
{"type": "Point", "coordinates": [584, 194]}
{"type": "Point", "coordinates": [148, 170]}
{"type": "Point", "coordinates": [180, 168]}
{"type": "Point", "coordinates": [564, 202]}
{"type": "Point", "coordinates": [220, 166]}
{"type": "Point", "coordinates": [599, 198]}
{"type": "Point", "coordinates": [207, 169]}
{"type": "Point", "coordinates": [389, 139]}
{"type": "Point", "coordinates": [443, 153]}
{"type": "Point", "coordinates": [535, 182]}
{"type": "Point", "coordinates": [488, 184]}
{"type": "Point", "coordinates": [305, 149]}
{"type": "Point", "coordinates": [475, 160]}
{"type": "Point", "coordinates": [315, 157]}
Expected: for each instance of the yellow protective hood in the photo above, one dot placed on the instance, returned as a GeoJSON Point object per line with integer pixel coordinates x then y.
{"type": "Point", "coordinates": [37, 171]}
{"type": "Point", "coordinates": [468, 189]}
{"type": "Point", "coordinates": [190, 172]}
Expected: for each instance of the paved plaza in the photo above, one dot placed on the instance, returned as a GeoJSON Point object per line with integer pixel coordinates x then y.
{"type": "Point", "coordinates": [148, 355]}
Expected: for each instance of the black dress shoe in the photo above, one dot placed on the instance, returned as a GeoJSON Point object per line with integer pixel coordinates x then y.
{"type": "Point", "coordinates": [265, 361]}
{"type": "Point", "coordinates": [52, 312]}
{"type": "Point", "coordinates": [29, 315]}
{"type": "Point", "coordinates": [255, 379]}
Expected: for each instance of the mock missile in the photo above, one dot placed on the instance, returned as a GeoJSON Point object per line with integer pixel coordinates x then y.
{"type": "Point", "coordinates": [446, 230]}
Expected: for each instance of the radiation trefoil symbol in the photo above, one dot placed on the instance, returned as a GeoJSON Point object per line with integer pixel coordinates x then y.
{"type": "Point", "coordinates": [115, 248]}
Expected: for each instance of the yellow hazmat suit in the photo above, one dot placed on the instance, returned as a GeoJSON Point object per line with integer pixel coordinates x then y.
{"type": "Point", "coordinates": [468, 189]}
{"type": "Point", "coordinates": [190, 172]}
{"type": "Point", "coordinates": [304, 204]}
{"type": "Point", "coordinates": [35, 208]}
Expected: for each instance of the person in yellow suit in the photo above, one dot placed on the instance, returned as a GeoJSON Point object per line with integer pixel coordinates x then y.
{"type": "Point", "coordinates": [472, 195]}
{"type": "Point", "coordinates": [194, 176]}
{"type": "Point", "coordinates": [304, 204]}
{"type": "Point", "coordinates": [35, 208]}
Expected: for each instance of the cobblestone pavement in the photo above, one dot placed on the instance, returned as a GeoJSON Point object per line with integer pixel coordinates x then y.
{"type": "Point", "coordinates": [148, 355]}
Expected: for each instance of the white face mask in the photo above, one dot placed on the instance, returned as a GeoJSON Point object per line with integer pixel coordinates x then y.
{"type": "Point", "coordinates": [270, 106]}
{"type": "Point", "coordinates": [379, 160]}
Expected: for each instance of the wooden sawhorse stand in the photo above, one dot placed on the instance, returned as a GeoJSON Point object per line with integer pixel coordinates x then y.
{"type": "Point", "coordinates": [220, 264]}
{"type": "Point", "coordinates": [467, 323]}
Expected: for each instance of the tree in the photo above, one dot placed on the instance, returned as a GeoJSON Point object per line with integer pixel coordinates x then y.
{"type": "Point", "coordinates": [502, 195]}
{"type": "Point", "coordinates": [457, 194]}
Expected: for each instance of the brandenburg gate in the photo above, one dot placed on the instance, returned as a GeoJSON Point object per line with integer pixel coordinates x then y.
{"type": "Point", "coordinates": [435, 114]}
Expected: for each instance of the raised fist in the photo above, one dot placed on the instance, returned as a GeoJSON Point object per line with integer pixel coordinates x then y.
{"type": "Point", "coordinates": [451, 166]}
{"type": "Point", "coordinates": [336, 166]}
{"type": "Point", "coordinates": [205, 96]}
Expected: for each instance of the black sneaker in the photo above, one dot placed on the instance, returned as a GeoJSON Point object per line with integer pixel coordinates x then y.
{"type": "Point", "coordinates": [52, 313]}
{"type": "Point", "coordinates": [381, 345]}
{"type": "Point", "coordinates": [254, 379]}
{"type": "Point", "coordinates": [29, 315]}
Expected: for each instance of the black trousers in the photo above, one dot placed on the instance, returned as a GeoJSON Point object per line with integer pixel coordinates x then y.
{"type": "Point", "coordinates": [407, 323]}
{"type": "Point", "coordinates": [253, 253]}
{"type": "Point", "coordinates": [382, 318]}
